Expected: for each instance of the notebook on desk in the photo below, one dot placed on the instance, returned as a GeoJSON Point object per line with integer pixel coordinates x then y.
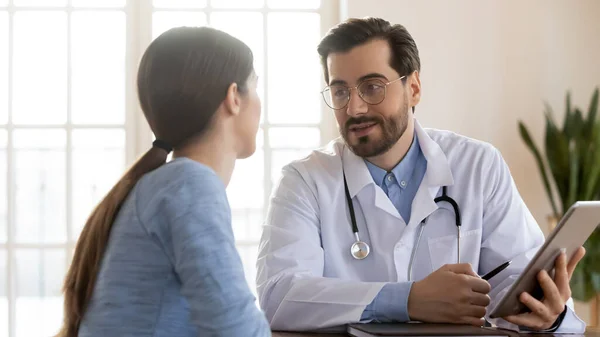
{"type": "Point", "coordinates": [422, 329]}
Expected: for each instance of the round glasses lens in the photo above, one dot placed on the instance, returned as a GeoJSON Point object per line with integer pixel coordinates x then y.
{"type": "Point", "coordinates": [372, 91]}
{"type": "Point", "coordinates": [336, 96]}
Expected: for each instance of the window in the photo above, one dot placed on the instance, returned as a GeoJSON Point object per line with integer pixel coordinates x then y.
{"type": "Point", "coordinates": [70, 124]}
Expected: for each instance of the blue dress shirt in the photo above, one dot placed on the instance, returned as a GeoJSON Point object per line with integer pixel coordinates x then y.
{"type": "Point", "coordinates": [400, 185]}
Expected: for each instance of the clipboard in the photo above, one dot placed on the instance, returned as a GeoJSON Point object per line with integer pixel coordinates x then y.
{"type": "Point", "coordinates": [424, 329]}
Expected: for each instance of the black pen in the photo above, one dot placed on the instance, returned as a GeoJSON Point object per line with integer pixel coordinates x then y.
{"type": "Point", "coordinates": [496, 271]}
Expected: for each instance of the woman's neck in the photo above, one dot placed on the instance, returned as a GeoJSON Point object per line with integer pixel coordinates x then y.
{"type": "Point", "coordinates": [213, 151]}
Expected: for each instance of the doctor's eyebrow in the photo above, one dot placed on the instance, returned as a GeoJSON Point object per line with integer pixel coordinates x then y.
{"type": "Point", "coordinates": [360, 79]}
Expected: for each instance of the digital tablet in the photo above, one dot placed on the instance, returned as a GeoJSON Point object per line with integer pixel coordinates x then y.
{"type": "Point", "coordinates": [423, 329]}
{"type": "Point", "coordinates": [578, 223]}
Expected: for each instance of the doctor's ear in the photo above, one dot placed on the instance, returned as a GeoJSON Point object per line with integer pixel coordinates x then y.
{"type": "Point", "coordinates": [414, 89]}
{"type": "Point", "coordinates": [233, 100]}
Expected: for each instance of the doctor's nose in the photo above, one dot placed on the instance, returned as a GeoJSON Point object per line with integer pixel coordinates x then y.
{"type": "Point", "coordinates": [356, 105]}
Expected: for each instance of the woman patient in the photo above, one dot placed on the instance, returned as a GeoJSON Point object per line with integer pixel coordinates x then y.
{"type": "Point", "coordinates": [157, 255]}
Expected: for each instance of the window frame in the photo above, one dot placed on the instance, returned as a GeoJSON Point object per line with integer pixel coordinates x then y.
{"type": "Point", "coordinates": [138, 137]}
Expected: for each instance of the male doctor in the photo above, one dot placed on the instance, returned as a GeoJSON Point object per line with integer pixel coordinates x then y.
{"type": "Point", "coordinates": [394, 169]}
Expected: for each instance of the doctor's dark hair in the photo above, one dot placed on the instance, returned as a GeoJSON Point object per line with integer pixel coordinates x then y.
{"type": "Point", "coordinates": [354, 32]}
{"type": "Point", "coordinates": [183, 77]}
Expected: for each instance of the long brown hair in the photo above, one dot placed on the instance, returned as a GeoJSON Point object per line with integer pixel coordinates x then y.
{"type": "Point", "coordinates": [183, 77]}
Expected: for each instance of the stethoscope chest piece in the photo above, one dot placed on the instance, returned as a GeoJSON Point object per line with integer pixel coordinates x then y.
{"type": "Point", "coordinates": [360, 250]}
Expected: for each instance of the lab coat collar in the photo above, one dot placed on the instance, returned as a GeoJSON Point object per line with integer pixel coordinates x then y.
{"type": "Point", "coordinates": [438, 168]}
{"type": "Point", "coordinates": [356, 171]}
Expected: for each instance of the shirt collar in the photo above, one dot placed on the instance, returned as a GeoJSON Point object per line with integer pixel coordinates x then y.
{"type": "Point", "coordinates": [438, 171]}
{"type": "Point", "coordinates": [403, 171]}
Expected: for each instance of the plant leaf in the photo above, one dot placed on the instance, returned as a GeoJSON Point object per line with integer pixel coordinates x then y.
{"type": "Point", "coordinates": [589, 147]}
{"type": "Point", "coordinates": [557, 154]}
{"type": "Point", "coordinates": [568, 114]}
{"type": "Point", "coordinates": [591, 169]}
{"type": "Point", "coordinates": [589, 150]}
{"type": "Point", "coordinates": [595, 280]}
{"type": "Point", "coordinates": [592, 247]}
{"type": "Point", "coordinates": [592, 113]}
{"type": "Point", "coordinates": [579, 155]}
{"type": "Point", "coordinates": [577, 121]}
{"type": "Point", "coordinates": [538, 158]}
{"type": "Point", "coordinates": [581, 288]}
{"type": "Point", "coordinates": [574, 175]}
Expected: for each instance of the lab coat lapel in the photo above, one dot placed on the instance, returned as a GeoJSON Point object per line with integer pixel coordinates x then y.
{"type": "Point", "coordinates": [438, 174]}
{"type": "Point", "coordinates": [358, 177]}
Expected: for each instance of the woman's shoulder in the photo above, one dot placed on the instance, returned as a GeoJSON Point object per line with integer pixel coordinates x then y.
{"type": "Point", "coordinates": [177, 186]}
{"type": "Point", "coordinates": [181, 175]}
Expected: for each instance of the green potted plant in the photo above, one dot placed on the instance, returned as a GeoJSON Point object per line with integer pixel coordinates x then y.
{"type": "Point", "coordinates": [570, 165]}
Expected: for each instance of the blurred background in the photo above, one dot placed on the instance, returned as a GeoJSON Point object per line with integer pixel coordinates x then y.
{"type": "Point", "coordinates": [70, 123]}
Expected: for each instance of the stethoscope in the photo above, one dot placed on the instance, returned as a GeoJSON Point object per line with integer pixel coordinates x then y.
{"type": "Point", "coordinates": [360, 249]}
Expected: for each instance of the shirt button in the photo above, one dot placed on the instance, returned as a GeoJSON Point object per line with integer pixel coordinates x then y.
{"type": "Point", "coordinates": [403, 183]}
{"type": "Point", "coordinates": [390, 178]}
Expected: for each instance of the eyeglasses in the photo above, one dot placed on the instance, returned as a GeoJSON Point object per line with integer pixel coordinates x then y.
{"type": "Point", "coordinates": [371, 91]}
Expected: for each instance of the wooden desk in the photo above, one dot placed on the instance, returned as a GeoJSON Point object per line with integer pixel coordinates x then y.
{"type": "Point", "coordinates": [592, 332]}
{"type": "Point", "coordinates": [299, 334]}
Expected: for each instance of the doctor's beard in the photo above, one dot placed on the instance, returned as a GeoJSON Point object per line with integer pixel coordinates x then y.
{"type": "Point", "coordinates": [392, 128]}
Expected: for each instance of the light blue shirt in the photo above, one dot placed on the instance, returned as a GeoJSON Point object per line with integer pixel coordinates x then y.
{"type": "Point", "coordinates": [400, 185]}
{"type": "Point", "coordinates": [402, 182]}
{"type": "Point", "coordinates": [171, 267]}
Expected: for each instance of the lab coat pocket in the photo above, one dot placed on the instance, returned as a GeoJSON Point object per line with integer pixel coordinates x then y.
{"type": "Point", "coordinates": [442, 250]}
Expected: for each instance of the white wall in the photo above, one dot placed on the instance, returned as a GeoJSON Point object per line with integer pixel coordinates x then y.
{"type": "Point", "coordinates": [488, 63]}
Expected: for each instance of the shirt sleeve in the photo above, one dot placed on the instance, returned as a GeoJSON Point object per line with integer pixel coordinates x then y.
{"type": "Point", "coordinates": [390, 304]}
{"type": "Point", "coordinates": [202, 249]}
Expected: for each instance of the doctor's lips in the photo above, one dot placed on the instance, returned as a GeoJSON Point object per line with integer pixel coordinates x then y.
{"type": "Point", "coordinates": [361, 128]}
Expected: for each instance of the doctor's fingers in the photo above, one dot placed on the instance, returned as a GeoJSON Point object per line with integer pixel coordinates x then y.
{"type": "Point", "coordinates": [480, 299]}
{"type": "Point", "coordinates": [478, 322]}
{"type": "Point", "coordinates": [527, 320]}
{"type": "Point", "coordinates": [475, 321]}
{"type": "Point", "coordinates": [579, 254]}
{"type": "Point", "coordinates": [559, 287]}
{"type": "Point", "coordinates": [478, 285]}
{"type": "Point", "coordinates": [460, 268]}
{"type": "Point", "coordinates": [554, 298]}
{"type": "Point", "coordinates": [471, 310]}
{"type": "Point", "coordinates": [539, 309]}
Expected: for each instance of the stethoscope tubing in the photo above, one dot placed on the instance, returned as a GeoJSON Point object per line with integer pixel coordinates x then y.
{"type": "Point", "coordinates": [443, 198]}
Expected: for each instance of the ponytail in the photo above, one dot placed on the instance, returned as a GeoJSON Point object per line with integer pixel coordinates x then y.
{"type": "Point", "coordinates": [182, 80]}
{"type": "Point", "coordinates": [81, 277]}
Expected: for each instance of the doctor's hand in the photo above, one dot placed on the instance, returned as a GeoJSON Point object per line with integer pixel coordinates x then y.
{"type": "Point", "coordinates": [556, 293]}
{"type": "Point", "coordinates": [452, 294]}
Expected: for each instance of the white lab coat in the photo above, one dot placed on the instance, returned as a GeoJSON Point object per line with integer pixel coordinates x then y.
{"type": "Point", "coordinates": [307, 278]}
